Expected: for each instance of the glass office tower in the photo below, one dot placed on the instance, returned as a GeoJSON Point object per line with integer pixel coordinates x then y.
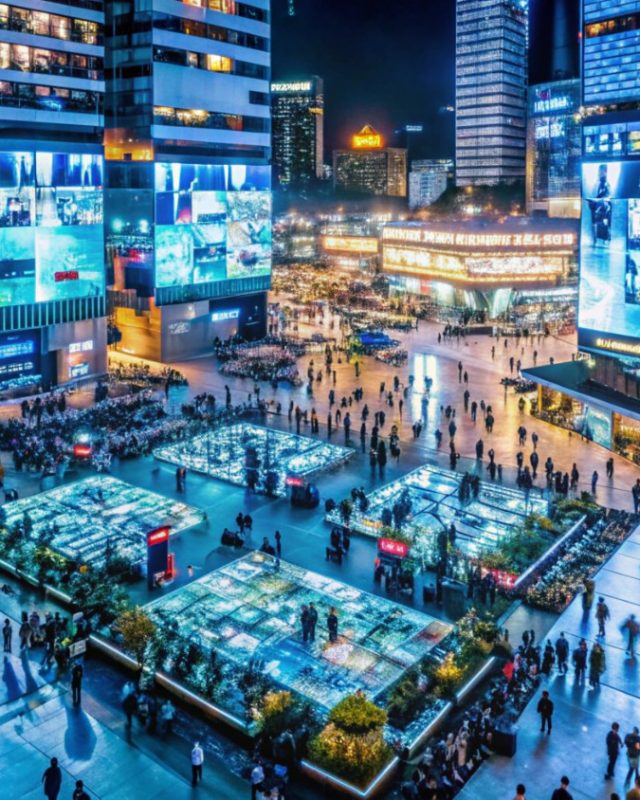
{"type": "Point", "coordinates": [491, 79]}
{"type": "Point", "coordinates": [297, 109]}
{"type": "Point", "coordinates": [187, 149]}
{"type": "Point", "coordinates": [52, 279]}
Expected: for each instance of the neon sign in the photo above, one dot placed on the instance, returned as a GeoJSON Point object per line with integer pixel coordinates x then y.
{"type": "Point", "coordinates": [391, 547]}
{"type": "Point", "coordinates": [293, 86]}
{"type": "Point", "coordinates": [368, 141]}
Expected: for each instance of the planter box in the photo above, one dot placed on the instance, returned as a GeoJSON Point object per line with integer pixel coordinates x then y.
{"type": "Point", "coordinates": [346, 789]}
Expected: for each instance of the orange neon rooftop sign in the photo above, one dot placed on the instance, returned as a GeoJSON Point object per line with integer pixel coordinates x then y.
{"type": "Point", "coordinates": [366, 139]}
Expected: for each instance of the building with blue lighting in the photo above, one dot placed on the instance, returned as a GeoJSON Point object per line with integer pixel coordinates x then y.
{"type": "Point", "coordinates": [52, 279]}
{"type": "Point", "coordinates": [599, 394]}
{"type": "Point", "coordinates": [187, 149]}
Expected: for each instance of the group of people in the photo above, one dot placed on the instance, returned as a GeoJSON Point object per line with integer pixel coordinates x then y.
{"type": "Point", "coordinates": [148, 708]}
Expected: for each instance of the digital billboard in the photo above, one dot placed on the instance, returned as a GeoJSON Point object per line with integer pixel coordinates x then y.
{"type": "Point", "coordinates": [609, 297]}
{"type": "Point", "coordinates": [213, 222]}
{"type": "Point", "coordinates": [51, 242]}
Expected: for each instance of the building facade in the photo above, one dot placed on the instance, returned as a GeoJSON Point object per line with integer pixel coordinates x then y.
{"type": "Point", "coordinates": [187, 149]}
{"type": "Point", "coordinates": [554, 149]}
{"type": "Point", "coordinates": [369, 167]}
{"type": "Point", "coordinates": [515, 270]}
{"type": "Point", "coordinates": [427, 181]}
{"type": "Point", "coordinates": [297, 111]}
{"type": "Point", "coordinates": [599, 395]}
{"type": "Point", "coordinates": [491, 80]}
{"type": "Point", "coordinates": [52, 276]}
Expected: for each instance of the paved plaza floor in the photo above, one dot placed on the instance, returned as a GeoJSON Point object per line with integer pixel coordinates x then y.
{"type": "Point", "coordinates": [582, 715]}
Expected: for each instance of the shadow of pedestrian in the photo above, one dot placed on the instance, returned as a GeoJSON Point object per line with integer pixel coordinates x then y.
{"type": "Point", "coordinates": [31, 684]}
{"type": "Point", "coordinates": [14, 689]}
{"type": "Point", "coordinates": [79, 738]}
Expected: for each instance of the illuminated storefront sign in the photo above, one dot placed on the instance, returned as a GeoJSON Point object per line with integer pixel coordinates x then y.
{"type": "Point", "coordinates": [366, 139]}
{"type": "Point", "coordinates": [223, 316]}
{"type": "Point", "coordinates": [391, 547]}
{"type": "Point", "coordinates": [549, 104]}
{"type": "Point", "coordinates": [420, 235]}
{"type": "Point", "coordinates": [293, 86]}
{"type": "Point", "coordinates": [81, 347]}
{"type": "Point", "coordinates": [350, 244]}
{"type": "Point", "coordinates": [507, 269]}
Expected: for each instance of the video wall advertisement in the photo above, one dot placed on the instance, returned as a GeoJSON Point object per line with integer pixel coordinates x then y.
{"type": "Point", "coordinates": [213, 222]}
{"type": "Point", "coordinates": [609, 298]}
{"type": "Point", "coordinates": [51, 239]}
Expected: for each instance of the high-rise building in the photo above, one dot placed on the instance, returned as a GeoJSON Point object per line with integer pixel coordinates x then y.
{"type": "Point", "coordinates": [187, 148]}
{"type": "Point", "coordinates": [52, 277]}
{"type": "Point", "coordinates": [427, 181]}
{"type": "Point", "coordinates": [297, 112]}
{"type": "Point", "coordinates": [600, 395]}
{"type": "Point", "coordinates": [554, 130]}
{"type": "Point", "coordinates": [370, 167]}
{"type": "Point", "coordinates": [491, 79]}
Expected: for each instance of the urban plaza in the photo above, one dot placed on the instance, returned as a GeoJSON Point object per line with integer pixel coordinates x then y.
{"type": "Point", "coordinates": [320, 400]}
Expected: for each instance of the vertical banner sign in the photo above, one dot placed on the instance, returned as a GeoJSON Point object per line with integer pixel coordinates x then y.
{"type": "Point", "coordinates": [157, 554]}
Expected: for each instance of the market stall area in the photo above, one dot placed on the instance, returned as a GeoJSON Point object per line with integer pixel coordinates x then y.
{"type": "Point", "coordinates": [429, 499]}
{"type": "Point", "coordinates": [81, 519]}
{"type": "Point", "coordinates": [249, 612]}
{"type": "Point", "coordinates": [250, 455]}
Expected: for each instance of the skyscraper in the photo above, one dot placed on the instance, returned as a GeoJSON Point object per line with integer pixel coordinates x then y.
{"type": "Point", "coordinates": [187, 148]}
{"type": "Point", "coordinates": [52, 278]}
{"type": "Point", "coordinates": [600, 395]}
{"type": "Point", "coordinates": [491, 79]}
{"type": "Point", "coordinates": [297, 109]}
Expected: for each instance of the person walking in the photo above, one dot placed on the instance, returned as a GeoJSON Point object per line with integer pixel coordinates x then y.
{"type": "Point", "coordinates": [332, 624]}
{"type": "Point", "coordinates": [197, 760]}
{"type": "Point", "coordinates": [52, 780]}
{"type": "Point", "coordinates": [7, 635]}
{"type": "Point", "coordinates": [167, 715]}
{"type": "Point", "coordinates": [562, 792]}
{"type": "Point", "coordinates": [304, 622]}
{"type": "Point", "coordinates": [597, 664]}
{"type": "Point", "coordinates": [382, 457]}
{"type": "Point", "coordinates": [602, 615]}
{"type": "Point", "coordinates": [130, 704]}
{"type": "Point", "coordinates": [278, 538]}
{"type": "Point", "coordinates": [614, 743]}
{"type": "Point", "coordinates": [594, 481]}
{"type": "Point", "coordinates": [631, 626]}
{"type": "Point", "coordinates": [632, 743]}
{"type": "Point", "coordinates": [545, 709]}
{"type": "Point", "coordinates": [76, 682]}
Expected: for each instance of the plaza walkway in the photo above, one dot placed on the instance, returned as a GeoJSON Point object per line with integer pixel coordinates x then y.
{"type": "Point", "coordinates": [582, 716]}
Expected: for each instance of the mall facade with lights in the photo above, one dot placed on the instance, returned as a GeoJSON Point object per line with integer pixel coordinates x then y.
{"type": "Point", "coordinates": [511, 270]}
{"type": "Point", "coordinates": [134, 181]}
{"type": "Point", "coordinates": [599, 394]}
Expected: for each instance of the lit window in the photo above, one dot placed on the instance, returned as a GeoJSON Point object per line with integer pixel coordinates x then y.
{"type": "Point", "coordinates": [218, 63]}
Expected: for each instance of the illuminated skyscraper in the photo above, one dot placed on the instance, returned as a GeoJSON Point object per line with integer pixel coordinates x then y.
{"type": "Point", "coordinates": [491, 79]}
{"type": "Point", "coordinates": [370, 167]}
{"type": "Point", "coordinates": [187, 149]}
{"type": "Point", "coordinates": [297, 109]}
{"type": "Point", "coordinates": [52, 276]}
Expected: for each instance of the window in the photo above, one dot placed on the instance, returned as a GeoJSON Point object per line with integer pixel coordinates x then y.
{"type": "Point", "coordinates": [219, 63]}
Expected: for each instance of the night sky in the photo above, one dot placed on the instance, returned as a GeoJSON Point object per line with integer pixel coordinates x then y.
{"type": "Point", "coordinates": [387, 62]}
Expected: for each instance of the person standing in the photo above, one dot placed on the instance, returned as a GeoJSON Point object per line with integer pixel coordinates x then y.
{"type": "Point", "coordinates": [614, 743]}
{"type": "Point", "coordinates": [278, 538]}
{"type": "Point", "coordinates": [632, 743]}
{"type": "Point", "coordinates": [520, 792]}
{"type": "Point", "coordinates": [76, 682]}
{"type": "Point", "coordinates": [313, 621]}
{"type": "Point", "coordinates": [602, 615]}
{"type": "Point", "coordinates": [7, 635]}
{"type": "Point", "coordinates": [167, 715]}
{"type": "Point", "coordinates": [580, 661]}
{"type": "Point", "coordinates": [594, 481]}
{"type": "Point", "coordinates": [635, 492]}
{"type": "Point", "coordinates": [562, 792]}
{"type": "Point", "coordinates": [197, 760]}
{"type": "Point", "coordinates": [304, 622]}
{"type": "Point", "coordinates": [562, 654]}
{"type": "Point", "coordinates": [257, 780]}
{"type": "Point", "coordinates": [545, 709]}
{"type": "Point", "coordinates": [332, 624]}
{"type": "Point", "coordinates": [597, 664]}
{"type": "Point", "coordinates": [79, 792]}
{"type": "Point", "coordinates": [52, 780]}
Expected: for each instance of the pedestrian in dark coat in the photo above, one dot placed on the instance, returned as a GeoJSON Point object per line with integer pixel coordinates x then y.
{"type": "Point", "coordinates": [545, 709]}
{"type": "Point", "coordinates": [52, 780]}
{"type": "Point", "coordinates": [614, 743]}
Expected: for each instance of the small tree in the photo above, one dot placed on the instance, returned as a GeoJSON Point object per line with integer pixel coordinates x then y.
{"type": "Point", "coordinates": [137, 630]}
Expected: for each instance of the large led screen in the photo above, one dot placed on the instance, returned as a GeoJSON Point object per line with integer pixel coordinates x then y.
{"type": "Point", "coordinates": [213, 222]}
{"type": "Point", "coordinates": [51, 244]}
{"type": "Point", "coordinates": [609, 298]}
